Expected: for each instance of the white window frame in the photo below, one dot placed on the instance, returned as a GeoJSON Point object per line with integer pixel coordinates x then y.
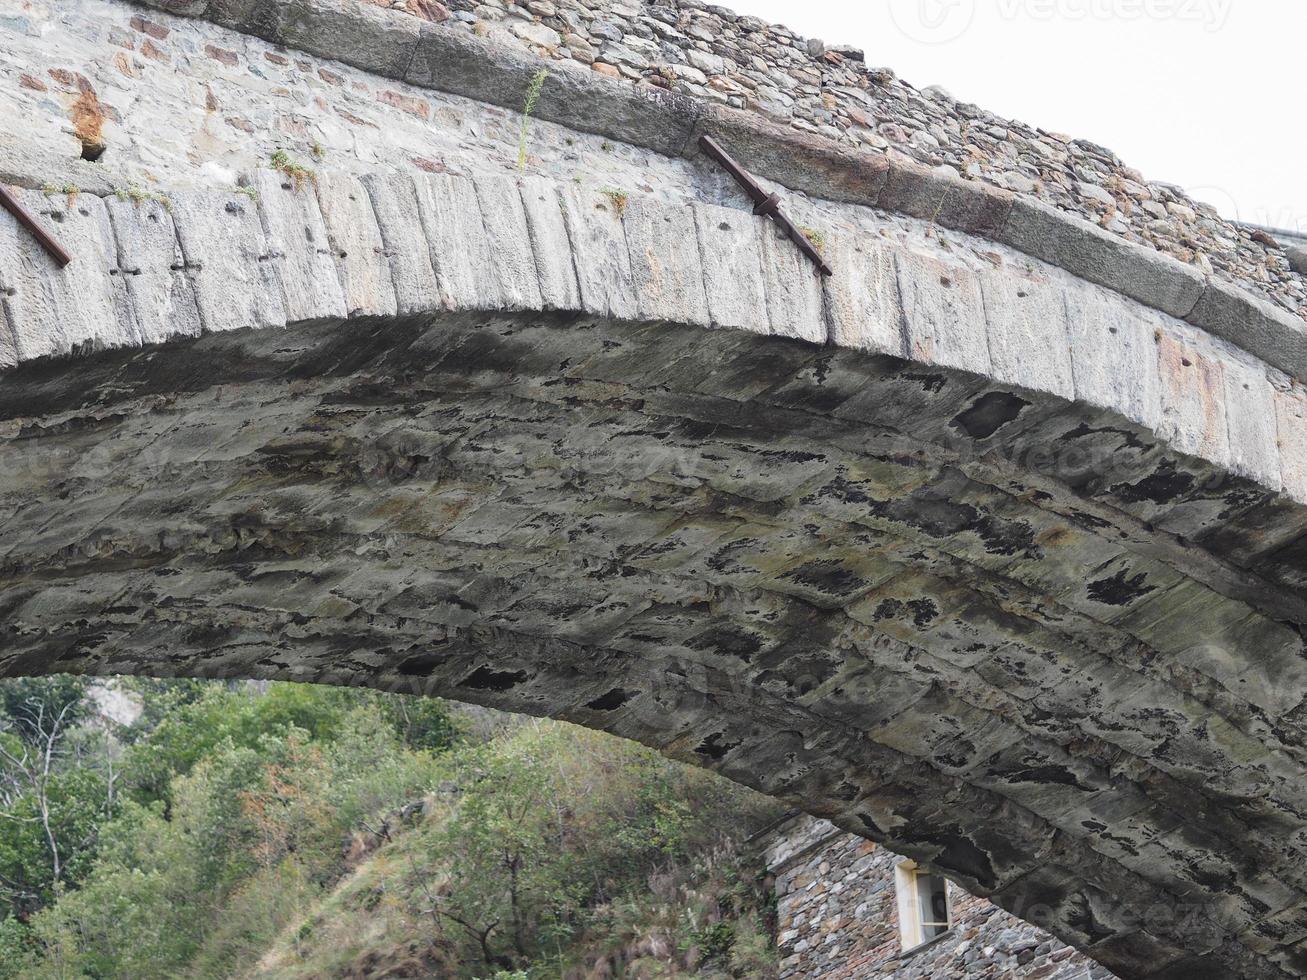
{"type": "Point", "coordinates": [907, 892]}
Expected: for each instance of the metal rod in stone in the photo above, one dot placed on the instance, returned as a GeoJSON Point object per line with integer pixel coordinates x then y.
{"type": "Point", "coordinates": [25, 218]}
{"type": "Point", "coordinates": [764, 203]}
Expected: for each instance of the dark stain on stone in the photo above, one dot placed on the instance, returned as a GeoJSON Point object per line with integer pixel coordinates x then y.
{"type": "Point", "coordinates": [1084, 429]}
{"type": "Point", "coordinates": [611, 701]}
{"type": "Point", "coordinates": [714, 748]}
{"type": "Point", "coordinates": [420, 665]}
{"type": "Point", "coordinates": [923, 611]}
{"type": "Point", "coordinates": [485, 679]}
{"type": "Point", "coordinates": [1120, 589]}
{"type": "Point", "coordinates": [960, 854]}
{"type": "Point", "coordinates": [940, 517]}
{"type": "Point", "coordinates": [728, 641]}
{"type": "Point", "coordinates": [989, 413]}
{"type": "Point", "coordinates": [826, 575]}
{"type": "Point", "coordinates": [1050, 774]}
{"type": "Point", "coordinates": [931, 383]}
{"type": "Point", "coordinates": [1163, 486]}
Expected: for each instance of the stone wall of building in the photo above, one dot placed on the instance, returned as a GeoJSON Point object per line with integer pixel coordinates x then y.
{"type": "Point", "coordinates": [837, 919]}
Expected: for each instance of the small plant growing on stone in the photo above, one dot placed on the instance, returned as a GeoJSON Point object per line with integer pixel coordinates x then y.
{"type": "Point", "coordinates": [250, 192]}
{"type": "Point", "coordinates": [619, 198]}
{"type": "Point", "coordinates": [817, 239]}
{"type": "Point", "coordinates": [72, 190]}
{"type": "Point", "coordinates": [528, 107]}
{"type": "Point", "coordinates": [297, 172]}
{"type": "Point", "coordinates": [138, 195]}
{"type": "Point", "coordinates": [319, 151]}
{"type": "Point", "coordinates": [606, 146]}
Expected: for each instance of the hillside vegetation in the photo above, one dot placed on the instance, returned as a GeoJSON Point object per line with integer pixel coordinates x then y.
{"type": "Point", "coordinates": [292, 831]}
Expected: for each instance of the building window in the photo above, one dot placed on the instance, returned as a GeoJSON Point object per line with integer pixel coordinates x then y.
{"type": "Point", "coordinates": [923, 904]}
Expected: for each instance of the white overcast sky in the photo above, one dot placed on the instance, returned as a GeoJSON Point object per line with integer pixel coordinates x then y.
{"type": "Point", "coordinates": [1207, 94]}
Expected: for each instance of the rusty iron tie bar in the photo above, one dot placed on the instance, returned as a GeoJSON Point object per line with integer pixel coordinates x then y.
{"type": "Point", "coordinates": [25, 218]}
{"type": "Point", "coordinates": [765, 204]}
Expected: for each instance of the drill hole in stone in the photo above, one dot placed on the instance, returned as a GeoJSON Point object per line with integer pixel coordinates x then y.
{"type": "Point", "coordinates": [93, 151]}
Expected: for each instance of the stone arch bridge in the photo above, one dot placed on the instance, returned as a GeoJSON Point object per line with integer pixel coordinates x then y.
{"type": "Point", "coordinates": [991, 546]}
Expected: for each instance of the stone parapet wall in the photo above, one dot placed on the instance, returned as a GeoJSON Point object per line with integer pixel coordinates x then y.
{"type": "Point", "coordinates": [711, 53]}
{"type": "Point", "coordinates": [837, 919]}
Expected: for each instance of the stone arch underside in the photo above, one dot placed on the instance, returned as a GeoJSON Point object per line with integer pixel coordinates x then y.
{"type": "Point", "coordinates": [863, 585]}
{"type": "Point", "coordinates": [991, 547]}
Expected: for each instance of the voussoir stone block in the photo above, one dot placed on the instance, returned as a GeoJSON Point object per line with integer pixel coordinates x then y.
{"type": "Point", "coordinates": [153, 270]}
{"type": "Point", "coordinates": [356, 244]}
{"type": "Point", "coordinates": [395, 204]}
{"type": "Point", "coordinates": [1029, 342]}
{"type": "Point", "coordinates": [793, 287]}
{"type": "Point", "coordinates": [553, 251]}
{"type": "Point", "coordinates": [1192, 391]}
{"type": "Point", "coordinates": [511, 257]}
{"type": "Point", "coordinates": [1087, 251]}
{"type": "Point", "coordinates": [943, 312]}
{"type": "Point", "coordinates": [730, 244]}
{"type": "Point", "coordinates": [297, 243]}
{"type": "Point", "coordinates": [862, 295]}
{"type": "Point", "coordinates": [226, 255]}
{"type": "Point", "coordinates": [1291, 417]}
{"type": "Point", "coordinates": [1114, 354]}
{"type": "Point", "coordinates": [665, 260]}
{"type": "Point", "coordinates": [1251, 416]}
{"type": "Point", "coordinates": [52, 310]}
{"type": "Point", "coordinates": [603, 261]}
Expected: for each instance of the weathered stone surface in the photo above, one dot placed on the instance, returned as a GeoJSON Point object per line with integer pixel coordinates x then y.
{"type": "Point", "coordinates": [1193, 396]}
{"type": "Point", "coordinates": [1079, 643]}
{"type": "Point", "coordinates": [941, 197]}
{"type": "Point", "coordinates": [730, 246]}
{"type": "Point", "coordinates": [364, 35]}
{"type": "Point", "coordinates": [1255, 325]}
{"type": "Point", "coordinates": [225, 251]}
{"type": "Point", "coordinates": [1291, 413]}
{"type": "Point", "coordinates": [572, 95]}
{"type": "Point", "coordinates": [1029, 341]}
{"type": "Point", "coordinates": [149, 258]}
{"type": "Point", "coordinates": [1091, 253]}
{"type": "Point", "coordinates": [602, 259]}
{"type": "Point", "coordinates": [862, 296]}
{"type": "Point", "coordinates": [298, 251]}
{"type": "Point", "coordinates": [665, 261]}
{"type": "Point", "coordinates": [1250, 410]}
{"type": "Point", "coordinates": [549, 242]}
{"type": "Point", "coordinates": [1114, 355]}
{"type": "Point", "coordinates": [509, 255]}
{"type": "Point", "coordinates": [793, 288]}
{"type": "Point", "coordinates": [943, 312]}
{"type": "Point", "coordinates": [52, 310]}
{"type": "Point", "coordinates": [356, 245]}
{"type": "Point", "coordinates": [395, 204]}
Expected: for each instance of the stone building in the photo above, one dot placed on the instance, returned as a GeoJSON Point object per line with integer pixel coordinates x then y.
{"type": "Point", "coordinates": [847, 908]}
